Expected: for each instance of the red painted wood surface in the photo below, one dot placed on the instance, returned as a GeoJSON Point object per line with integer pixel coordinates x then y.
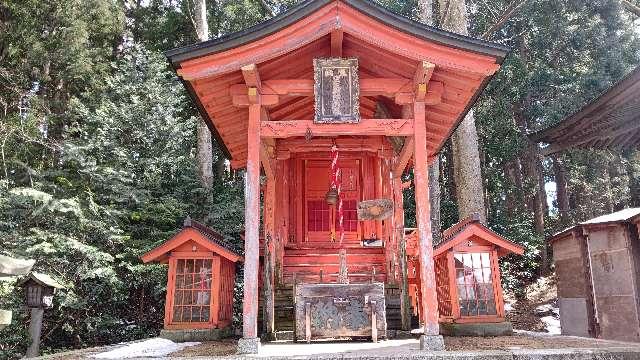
{"type": "Point", "coordinates": [200, 279]}
{"type": "Point", "coordinates": [284, 60]}
{"type": "Point", "coordinates": [428, 299]}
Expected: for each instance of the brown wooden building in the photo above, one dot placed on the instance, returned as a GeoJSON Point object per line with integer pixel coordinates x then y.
{"type": "Point", "coordinates": [598, 271]}
{"type": "Point", "coordinates": [330, 101]}
{"type": "Point", "coordinates": [201, 278]}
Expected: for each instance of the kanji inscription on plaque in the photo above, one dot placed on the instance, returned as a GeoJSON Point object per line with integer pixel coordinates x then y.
{"type": "Point", "coordinates": [337, 90]}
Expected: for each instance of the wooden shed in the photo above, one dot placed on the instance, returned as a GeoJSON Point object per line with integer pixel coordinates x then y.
{"type": "Point", "coordinates": [200, 284]}
{"type": "Point", "coordinates": [598, 271]}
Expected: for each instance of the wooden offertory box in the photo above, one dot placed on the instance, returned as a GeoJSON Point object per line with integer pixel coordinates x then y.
{"type": "Point", "coordinates": [340, 310]}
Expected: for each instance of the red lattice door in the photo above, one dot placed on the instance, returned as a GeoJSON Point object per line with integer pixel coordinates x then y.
{"type": "Point", "coordinates": [321, 220]}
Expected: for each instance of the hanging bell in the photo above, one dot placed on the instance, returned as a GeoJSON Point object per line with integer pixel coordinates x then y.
{"type": "Point", "coordinates": [332, 196]}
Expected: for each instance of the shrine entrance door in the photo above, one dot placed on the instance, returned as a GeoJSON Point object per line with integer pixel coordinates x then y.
{"type": "Point", "coordinates": [321, 219]}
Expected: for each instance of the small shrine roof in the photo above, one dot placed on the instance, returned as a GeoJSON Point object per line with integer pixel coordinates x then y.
{"type": "Point", "coordinates": [198, 232]}
{"type": "Point", "coordinates": [469, 227]}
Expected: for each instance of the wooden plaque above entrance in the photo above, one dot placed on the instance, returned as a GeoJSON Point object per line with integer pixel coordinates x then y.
{"type": "Point", "coordinates": [337, 91]}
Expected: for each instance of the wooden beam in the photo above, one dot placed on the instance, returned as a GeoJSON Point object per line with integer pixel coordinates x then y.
{"type": "Point", "coordinates": [429, 300]}
{"type": "Point", "coordinates": [254, 98]}
{"type": "Point", "coordinates": [291, 128]}
{"type": "Point", "coordinates": [433, 95]}
{"type": "Point", "coordinates": [422, 78]}
{"type": "Point", "coordinates": [368, 87]}
{"type": "Point", "coordinates": [266, 159]}
{"type": "Point", "coordinates": [336, 43]}
{"type": "Point", "coordinates": [403, 158]}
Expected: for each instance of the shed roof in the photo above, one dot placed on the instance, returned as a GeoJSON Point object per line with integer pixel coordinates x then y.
{"type": "Point", "coordinates": [283, 48]}
{"type": "Point", "coordinates": [42, 279]}
{"type": "Point", "coordinates": [199, 233]}
{"type": "Point", "coordinates": [611, 121]}
{"type": "Point", "coordinates": [623, 216]}
{"type": "Point", "coordinates": [469, 227]}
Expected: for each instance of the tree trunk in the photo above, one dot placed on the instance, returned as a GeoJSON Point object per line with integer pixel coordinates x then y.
{"type": "Point", "coordinates": [464, 142]}
{"type": "Point", "coordinates": [425, 14]}
{"type": "Point", "coordinates": [534, 171]}
{"type": "Point", "coordinates": [562, 196]}
{"type": "Point", "coordinates": [204, 147]}
{"type": "Point", "coordinates": [425, 11]}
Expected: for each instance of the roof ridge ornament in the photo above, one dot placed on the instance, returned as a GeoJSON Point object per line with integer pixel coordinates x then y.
{"type": "Point", "coordinates": [187, 222]}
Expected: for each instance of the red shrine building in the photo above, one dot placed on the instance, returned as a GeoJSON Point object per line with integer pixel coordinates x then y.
{"type": "Point", "coordinates": [326, 106]}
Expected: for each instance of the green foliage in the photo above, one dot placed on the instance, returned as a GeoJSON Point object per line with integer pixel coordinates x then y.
{"type": "Point", "coordinates": [126, 179]}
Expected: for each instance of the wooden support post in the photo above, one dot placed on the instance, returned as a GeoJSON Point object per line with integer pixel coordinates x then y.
{"type": "Point", "coordinates": [421, 175]}
{"type": "Point", "coordinates": [269, 258]}
{"type": "Point", "coordinates": [252, 226]}
{"type": "Point", "coordinates": [453, 286]}
{"type": "Point", "coordinates": [35, 328]}
{"type": "Point", "coordinates": [336, 43]}
{"type": "Point", "coordinates": [398, 221]}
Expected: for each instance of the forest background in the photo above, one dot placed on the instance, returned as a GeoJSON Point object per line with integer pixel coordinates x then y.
{"type": "Point", "coordinates": [98, 157]}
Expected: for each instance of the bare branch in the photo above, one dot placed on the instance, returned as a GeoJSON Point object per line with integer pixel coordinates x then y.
{"type": "Point", "coordinates": [266, 7]}
{"type": "Point", "coordinates": [631, 7]}
{"type": "Point", "coordinates": [506, 15]}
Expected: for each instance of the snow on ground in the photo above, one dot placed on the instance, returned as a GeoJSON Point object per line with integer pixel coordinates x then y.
{"type": "Point", "coordinates": [551, 324]}
{"type": "Point", "coordinates": [155, 347]}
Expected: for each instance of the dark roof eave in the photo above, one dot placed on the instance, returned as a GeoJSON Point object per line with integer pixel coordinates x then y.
{"type": "Point", "coordinates": [305, 8]}
{"type": "Point", "coordinates": [544, 135]}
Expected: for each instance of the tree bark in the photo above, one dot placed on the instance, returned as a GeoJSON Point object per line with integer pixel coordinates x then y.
{"type": "Point", "coordinates": [425, 14]}
{"type": "Point", "coordinates": [204, 147]}
{"type": "Point", "coordinates": [425, 11]}
{"type": "Point", "coordinates": [537, 202]}
{"type": "Point", "coordinates": [562, 196]}
{"type": "Point", "coordinates": [464, 142]}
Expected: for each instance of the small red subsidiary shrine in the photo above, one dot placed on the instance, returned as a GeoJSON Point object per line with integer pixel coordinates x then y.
{"type": "Point", "coordinates": [331, 102]}
{"type": "Point", "coordinates": [468, 275]}
{"type": "Point", "coordinates": [202, 272]}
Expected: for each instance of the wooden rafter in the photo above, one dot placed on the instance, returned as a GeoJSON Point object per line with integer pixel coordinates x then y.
{"type": "Point", "coordinates": [371, 127]}
{"type": "Point", "coordinates": [422, 78]}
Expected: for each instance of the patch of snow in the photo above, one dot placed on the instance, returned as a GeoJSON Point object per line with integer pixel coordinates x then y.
{"type": "Point", "coordinates": [156, 347]}
{"type": "Point", "coordinates": [551, 324]}
{"type": "Point", "coordinates": [508, 306]}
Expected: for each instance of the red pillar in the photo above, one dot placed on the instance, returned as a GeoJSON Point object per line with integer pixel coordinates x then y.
{"type": "Point", "coordinates": [421, 177]}
{"type": "Point", "coordinates": [252, 226]}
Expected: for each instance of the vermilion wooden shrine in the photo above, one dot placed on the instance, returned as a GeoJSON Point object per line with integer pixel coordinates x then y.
{"type": "Point", "coordinates": [201, 278]}
{"type": "Point", "coordinates": [257, 91]}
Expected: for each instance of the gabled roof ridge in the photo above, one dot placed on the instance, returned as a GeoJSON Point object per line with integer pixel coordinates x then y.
{"type": "Point", "coordinates": [209, 233]}
{"type": "Point", "coordinates": [304, 8]}
{"type": "Point", "coordinates": [451, 233]}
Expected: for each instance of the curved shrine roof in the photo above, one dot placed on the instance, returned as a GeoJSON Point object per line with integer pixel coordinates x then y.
{"type": "Point", "coordinates": [389, 49]}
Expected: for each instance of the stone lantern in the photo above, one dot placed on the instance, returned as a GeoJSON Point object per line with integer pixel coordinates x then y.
{"type": "Point", "coordinates": [10, 267]}
{"type": "Point", "coordinates": [39, 289]}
